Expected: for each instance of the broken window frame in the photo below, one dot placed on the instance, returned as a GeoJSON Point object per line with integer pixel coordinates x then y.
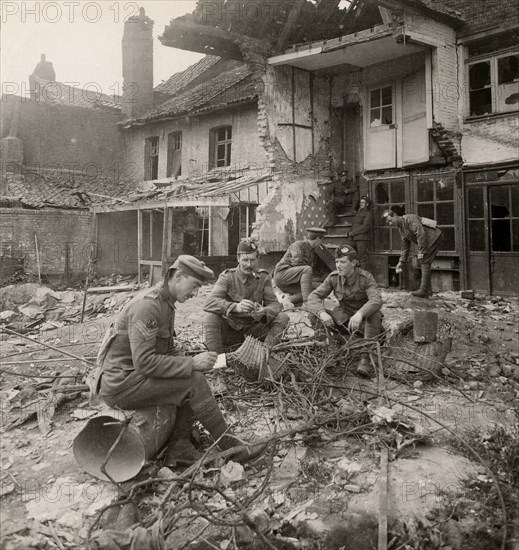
{"type": "Point", "coordinates": [497, 90]}
{"type": "Point", "coordinates": [151, 158]}
{"type": "Point", "coordinates": [380, 225]}
{"type": "Point", "coordinates": [203, 222]}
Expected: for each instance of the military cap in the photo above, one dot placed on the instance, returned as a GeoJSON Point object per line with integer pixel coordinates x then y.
{"type": "Point", "coordinates": [247, 247]}
{"type": "Point", "coordinates": [345, 250]}
{"type": "Point", "coordinates": [315, 232]}
{"type": "Point", "coordinates": [189, 265]}
{"type": "Point", "coordinates": [367, 199]}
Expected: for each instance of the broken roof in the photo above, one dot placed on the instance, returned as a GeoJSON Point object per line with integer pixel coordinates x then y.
{"type": "Point", "coordinates": [219, 28]}
{"type": "Point", "coordinates": [178, 81]}
{"type": "Point", "coordinates": [230, 87]}
{"type": "Point", "coordinates": [218, 187]}
{"type": "Point", "coordinates": [59, 189]}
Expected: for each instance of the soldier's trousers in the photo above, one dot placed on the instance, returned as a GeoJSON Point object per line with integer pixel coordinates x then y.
{"type": "Point", "coordinates": [219, 335]}
{"type": "Point", "coordinates": [300, 275]}
{"type": "Point", "coordinates": [371, 326]}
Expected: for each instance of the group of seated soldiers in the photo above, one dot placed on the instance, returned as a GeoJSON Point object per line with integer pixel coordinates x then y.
{"type": "Point", "coordinates": [140, 365]}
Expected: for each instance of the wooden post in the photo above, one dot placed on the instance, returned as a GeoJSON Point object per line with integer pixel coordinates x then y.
{"type": "Point", "coordinates": [165, 227]}
{"type": "Point", "coordinates": [37, 258]}
{"type": "Point", "coordinates": [139, 244]}
{"type": "Point", "coordinates": [425, 326]}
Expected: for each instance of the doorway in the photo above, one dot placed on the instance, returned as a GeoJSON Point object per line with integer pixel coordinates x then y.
{"type": "Point", "coordinates": [493, 231]}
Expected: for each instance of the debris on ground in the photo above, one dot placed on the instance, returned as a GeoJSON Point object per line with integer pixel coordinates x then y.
{"type": "Point", "coordinates": [450, 435]}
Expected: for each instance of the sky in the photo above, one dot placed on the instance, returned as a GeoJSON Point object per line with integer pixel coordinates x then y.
{"type": "Point", "coordinates": [82, 39]}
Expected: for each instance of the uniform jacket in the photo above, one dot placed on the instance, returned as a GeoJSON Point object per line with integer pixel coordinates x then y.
{"type": "Point", "coordinates": [413, 231]}
{"type": "Point", "coordinates": [298, 253]}
{"type": "Point", "coordinates": [139, 340]}
{"type": "Point", "coordinates": [233, 286]}
{"type": "Point", "coordinates": [358, 293]}
{"type": "Point", "coordinates": [362, 225]}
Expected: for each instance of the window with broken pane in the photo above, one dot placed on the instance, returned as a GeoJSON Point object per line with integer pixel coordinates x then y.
{"type": "Point", "coordinates": [493, 83]}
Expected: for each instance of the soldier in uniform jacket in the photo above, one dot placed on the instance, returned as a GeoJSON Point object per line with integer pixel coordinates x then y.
{"type": "Point", "coordinates": [296, 267]}
{"type": "Point", "coordinates": [140, 367]}
{"type": "Point", "coordinates": [243, 303]}
{"type": "Point", "coordinates": [359, 299]}
{"type": "Point", "coordinates": [360, 230]}
{"type": "Point", "coordinates": [422, 232]}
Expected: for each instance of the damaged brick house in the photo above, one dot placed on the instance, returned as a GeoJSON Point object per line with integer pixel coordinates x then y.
{"type": "Point", "coordinates": [417, 100]}
{"type": "Point", "coordinates": [59, 151]}
{"type": "Point", "coordinates": [198, 154]}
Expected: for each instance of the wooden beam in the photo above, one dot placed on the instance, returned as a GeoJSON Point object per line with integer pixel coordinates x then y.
{"type": "Point", "coordinates": [289, 24]}
{"type": "Point", "coordinates": [139, 244]}
{"type": "Point", "coordinates": [165, 227]}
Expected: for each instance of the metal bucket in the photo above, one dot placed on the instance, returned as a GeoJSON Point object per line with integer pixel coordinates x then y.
{"type": "Point", "coordinates": [147, 432]}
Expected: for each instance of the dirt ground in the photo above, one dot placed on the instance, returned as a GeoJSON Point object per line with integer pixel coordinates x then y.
{"type": "Point", "coordinates": [323, 490]}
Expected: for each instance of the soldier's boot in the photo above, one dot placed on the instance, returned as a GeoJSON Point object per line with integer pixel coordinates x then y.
{"type": "Point", "coordinates": [209, 415]}
{"type": "Point", "coordinates": [425, 283]}
{"type": "Point", "coordinates": [213, 339]}
{"type": "Point", "coordinates": [364, 368]}
{"type": "Point", "coordinates": [277, 327]}
{"type": "Point", "coordinates": [181, 451]}
{"type": "Point", "coordinates": [306, 283]}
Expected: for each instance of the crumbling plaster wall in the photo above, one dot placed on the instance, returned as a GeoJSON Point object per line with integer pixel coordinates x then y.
{"type": "Point", "coordinates": [246, 147]}
{"type": "Point", "coordinates": [295, 130]}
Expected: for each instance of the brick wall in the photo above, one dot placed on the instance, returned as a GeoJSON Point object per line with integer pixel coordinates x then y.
{"type": "Point", "coordinates": [62, 136]}
{"type": "Point", "coordinates": [56, 230]}
{"type": "Point", "coordinates": [480, 16]}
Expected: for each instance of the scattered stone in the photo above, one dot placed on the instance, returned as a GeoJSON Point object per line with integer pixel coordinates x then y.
{"type": "Point", "coordinates": [352, 488]}
{"type": "Point", "coordinates": [231, 473]}
{"type": "Point", "coordinates": [494, 371]}
{"type": "Point", "coordinates": [165, 472]}
{"type": "Point", "coordinates": [418, 384]}
{"type": "Point", "coordinates": [473, 385]}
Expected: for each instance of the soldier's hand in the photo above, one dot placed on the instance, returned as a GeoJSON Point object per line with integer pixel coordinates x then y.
{"type": "Point", "coordinates": [355, 322]}
{"type": "Point", "coordinates": [204, 361]}
{"type": "Point", "coordinates": [326, 318]}
{"type": "Point", "coordinates": [245, 306]}
{"type": "Point", "coordinates": [420, 256]}
{"type": "Point", "coordinates": [398, 268]}
{"type": "Point", "coordinates": [258, 313]}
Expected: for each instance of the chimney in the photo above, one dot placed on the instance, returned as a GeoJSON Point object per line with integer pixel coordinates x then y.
{"type": "Point", "coordinates": [137, 65]}
{"type": "Point", "coordinates": [43, 71]}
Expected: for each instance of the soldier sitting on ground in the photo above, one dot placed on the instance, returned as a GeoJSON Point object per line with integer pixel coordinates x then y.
{"type": "Point", "coordinates": [359, 299]}
{"type": "Point", "coordinates": [296, 267]}
{"type": "Point", "coordinates": [141, 367]}
{"type": "Point", "coordinates": [243, 303]}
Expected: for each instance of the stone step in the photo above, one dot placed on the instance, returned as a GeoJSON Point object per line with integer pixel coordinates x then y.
{"type": "Point", "coordinates": [338, 229]}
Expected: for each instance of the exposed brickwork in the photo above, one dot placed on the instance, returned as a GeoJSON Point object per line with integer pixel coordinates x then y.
{"type": "Point", "coordinates": [480, 16]}
{"type": "Point", "coordinates": [448, 142]}
{"type": "Point", "coordinates": [56, 230]}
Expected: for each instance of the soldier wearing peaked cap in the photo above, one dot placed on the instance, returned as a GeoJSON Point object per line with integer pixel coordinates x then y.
{"type": "Point", "coordinates": [140, 366]}
{"type": "Point", "coordinates": [243, 303]}
{"type": "Point", "coordinates": [296, 267]}
{"type": "Point", "coordinates": [359, 298]}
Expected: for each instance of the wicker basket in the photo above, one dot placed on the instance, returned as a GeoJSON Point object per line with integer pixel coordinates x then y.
{"type": "Point", "coordinates": [410, 360]}
{"type": "Point", "coordinates": [254, 362]}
